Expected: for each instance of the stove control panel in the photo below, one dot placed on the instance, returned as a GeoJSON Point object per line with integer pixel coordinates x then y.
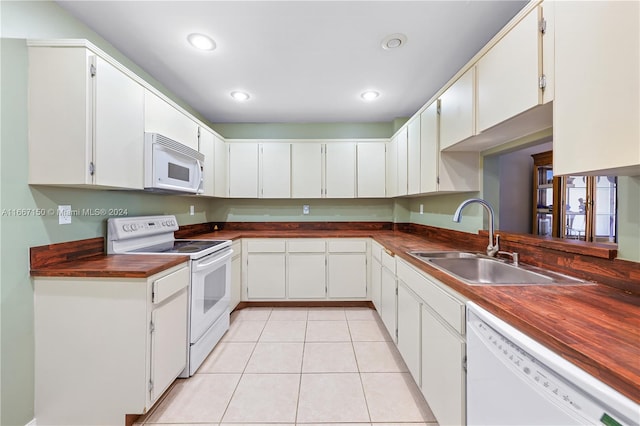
{"type": "Point", "coordinates": [122, 228]}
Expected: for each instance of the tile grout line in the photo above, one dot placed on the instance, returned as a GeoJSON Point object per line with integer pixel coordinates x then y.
{"type": "Point", "coordinates": [235, 389]}
{"type": "Point", "coordinates": [304, 345]}
{"type": "Point", "coordinates": [355, 356]}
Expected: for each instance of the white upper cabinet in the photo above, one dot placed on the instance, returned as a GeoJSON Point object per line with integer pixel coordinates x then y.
{"type": "Point", "coordinates": [413, 156]}
{"type": "Point", "coordinates": [275, 170]}
{"type": "Point", "coordinates": [215, 163]}
{"type": "Point", "coordinates": [596, 125]}
{"type": "Point", "coordinates": [402, 161]}
{"type": "Point", "coordinates": [306, 170]}
{"type": "Point", "coordinates": [392, 168]}
{"type": "Point", "coordinates": [243, 170]}
{"type": "Point", "coordinates": [161, 117]}
{"type": "Point", "coordinates": [429, 150]}
{"type": "Point", "coordinates": [340, 170]}
{"type": "Point", "coordinates": [508, 74]}
{"type": "Point", "coordinates": [221, 153]}
{"type": "Point", "coordinates": [85, 120]}
{"type": "Point", "coordinates": [371, 169]}
{"type": "Point", "coordinates": [206, 146]}
{"type": "Point", "coordinates": [457, 121]}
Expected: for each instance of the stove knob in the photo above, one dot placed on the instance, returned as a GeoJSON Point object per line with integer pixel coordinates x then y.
{"type": "Point", "coordinates": [126, 228]}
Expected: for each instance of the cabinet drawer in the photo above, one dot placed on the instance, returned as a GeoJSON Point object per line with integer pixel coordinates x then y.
{"type": "Point", "coordinates": [266, 246]}
{"type": "Point", "coordinates": [168, 285]}
{"type": "Point", "coordinates": [388, 261]}
{"type": "Point", "coordinates": [306, 246]}
{"type": "Point", "coordinates": [448, 307]}
{"type": "Point", "coordinates": [347, 246]}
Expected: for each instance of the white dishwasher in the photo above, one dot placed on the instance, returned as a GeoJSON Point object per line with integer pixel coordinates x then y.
{"type": "Point", "coordinates": [514, 380]}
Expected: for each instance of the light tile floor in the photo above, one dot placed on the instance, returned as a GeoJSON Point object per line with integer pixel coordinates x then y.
{"type": "Point", "coordinates": [294, 366]}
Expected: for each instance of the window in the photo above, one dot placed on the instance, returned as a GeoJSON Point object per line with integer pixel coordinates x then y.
{"type": "Point", "coordinates": [590, 207]}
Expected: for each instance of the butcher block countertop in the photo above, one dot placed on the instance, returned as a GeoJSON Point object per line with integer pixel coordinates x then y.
{"type": "Point", "coordinates": [597, 327]}
{"type": "Point", "coordinates": [86, 258]}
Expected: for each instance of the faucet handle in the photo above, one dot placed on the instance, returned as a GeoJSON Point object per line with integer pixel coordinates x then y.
{"type": "Point", "coordinates": [514, 256]}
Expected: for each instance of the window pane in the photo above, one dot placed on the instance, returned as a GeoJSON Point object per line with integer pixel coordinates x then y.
{"type": "Point", "coordinates": [575, 207]}
{"type": "Point", "coordinates": [605, 200]}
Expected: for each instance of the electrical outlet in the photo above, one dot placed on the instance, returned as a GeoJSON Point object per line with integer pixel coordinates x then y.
{"type": "Point", "coordinates": [192, 210]}
{"type": "Point", "coordinates": [305, 209]}
{"type": "Point", "coordinates": [64, 215]}
{"type": "Point", "coordinates": [421, 208]}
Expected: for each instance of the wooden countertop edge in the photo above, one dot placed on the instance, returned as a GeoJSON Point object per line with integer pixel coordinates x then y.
{"type": "Point", "coordinates": [100, 266]}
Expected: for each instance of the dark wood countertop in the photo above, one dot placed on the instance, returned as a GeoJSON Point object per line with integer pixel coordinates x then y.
{"type": "Point", "coordinates": [597, 327]}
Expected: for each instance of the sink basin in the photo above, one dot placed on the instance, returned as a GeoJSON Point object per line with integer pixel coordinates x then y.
{"type": "Point", "coordinates": [477, 269]}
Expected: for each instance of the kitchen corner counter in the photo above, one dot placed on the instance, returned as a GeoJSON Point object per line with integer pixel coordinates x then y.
{"type": "Point", "coordinates": [597, 327]}
{"type": "Point", "coordinates": [86, 258]}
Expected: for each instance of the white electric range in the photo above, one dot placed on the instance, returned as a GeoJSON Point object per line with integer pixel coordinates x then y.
{"type": "Point", "coordinates": [210, 286]}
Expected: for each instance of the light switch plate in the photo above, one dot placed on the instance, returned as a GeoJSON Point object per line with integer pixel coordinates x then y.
{"type": "Point", "coordinates": [305, 209]}
{"type": "Point", "coordinates": [192, 210]}
{"type": "Point", "coordinates": [64, 215]}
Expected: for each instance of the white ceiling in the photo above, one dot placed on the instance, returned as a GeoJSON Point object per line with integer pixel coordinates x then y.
{"type": "Point", "coordinates": [301, 61]}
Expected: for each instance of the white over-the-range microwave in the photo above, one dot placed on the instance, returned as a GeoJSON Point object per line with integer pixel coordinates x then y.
{"type": "Point", "coordinates": [170, 166]}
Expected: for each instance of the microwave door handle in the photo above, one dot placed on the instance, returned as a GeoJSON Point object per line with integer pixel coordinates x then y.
{"type": "Point", "coordinates": [200, 180]}
{"type": "Point", "coordinates": [202, 266]}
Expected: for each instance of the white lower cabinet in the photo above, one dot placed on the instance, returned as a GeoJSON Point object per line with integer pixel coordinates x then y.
{"type": "Point", "coordinates": [427, 320]}
{"type": "Point", "coordinates": [376, 274]}
{"type": "Point", "coordinates": [388, 293]}
{"type": "Point", "coordinates": [409, 307]}
{"type": "Point", "coordinates": [106, 347]}
{"type": "Point", "coordinates": [443, 376]}
{"type": "Point", "coordinates": [266, 269]}
{"type": "Point", "coordinates": [236, 274]}
{"type": "Point", "coordinates": [301, 268]}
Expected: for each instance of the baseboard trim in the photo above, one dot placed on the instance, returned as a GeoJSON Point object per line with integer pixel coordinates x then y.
{"type": "Point", "coordinates": [306, 304]}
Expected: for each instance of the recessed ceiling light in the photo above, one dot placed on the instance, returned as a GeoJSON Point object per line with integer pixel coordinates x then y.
{"type": "Point", "coordinates": [240, 96]}
{"type": "Point", "coordinates": [201, 41]}
{"type": "Point", "coordinates": [369, 95]}
{"type": "Point", "coordinates": [394, 41]}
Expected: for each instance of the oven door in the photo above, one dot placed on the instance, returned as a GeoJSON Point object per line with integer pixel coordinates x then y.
{"type": "Point", "coordinates": [210, 291]}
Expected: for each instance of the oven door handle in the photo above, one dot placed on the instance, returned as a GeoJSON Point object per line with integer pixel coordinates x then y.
{"type": "Point", "coordinates": [199, 267]}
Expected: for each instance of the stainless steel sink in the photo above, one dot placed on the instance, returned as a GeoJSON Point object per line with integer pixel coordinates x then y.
{"type": "Point", "coordinates": [442, 254]}
{"type": "Point", "coordinates": [477, 269]}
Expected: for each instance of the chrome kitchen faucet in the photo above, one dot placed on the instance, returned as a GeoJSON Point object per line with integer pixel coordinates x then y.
{"type": "Point", "coordinates": [492, 249]}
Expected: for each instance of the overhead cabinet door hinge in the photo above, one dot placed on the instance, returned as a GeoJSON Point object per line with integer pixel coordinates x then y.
{"type": "Point", "coordinates": [92, 168]}
{"type": "Point", "coordinates": [92, 70]}
{"type": "Point", "coordinates": [542, 25]}
{"type": "Point", "coordinates": [152, 327]}
{"type": "Point", "coordinates": [542, 82]}
{"type": "Point", "coordinates": [150, 385]}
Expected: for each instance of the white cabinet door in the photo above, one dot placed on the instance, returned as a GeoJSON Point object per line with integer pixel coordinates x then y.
{"type": "Point", "coordinates": [402, 162]}
{"type": "Point", "coordinates": [376, 283]}
{"type": "Point", "coordinates": [161, 117]}
{"type": "Point", "coordinates": [275, 170]}
{"type": "Point", "coordinates": [340, 164]}
{"type": "Point", "coordinates": [443, 376]}
{"type": "Point", "coordinates": [596, 129]}
{"type": "Point", "coordinates": [457, 110]}
{"type": "Point", "coordinates": [392, 168]}
{"type": "Point", "coordinates": [508, 74]}
{"type": "Point", "coordinates": [429, 151]}
{"type": "Point", "coordinates": [206, 147]}
{"type": "Point", "coordinates": [168, 343]}
{"type": "Point", "coordinates": [266, 276]}
{"type": "Point", "coordinates": [371, 169]}
{"type": "Point", "coordinates": [388, 296]}
{"type": "Point", "coordinates": [409, 337]}
{"type": "Point", "coordinates": [236, 275]}
{"type": "Point", "coordinates": [347, 275]}
{"type": "Point", "coordinates": [84, 114]}
{"type": "Point", "coordinates": [413, 156]}
{"type": "Point", "coordinates": [119, 106]}
{"type": "Point", "coordinates": [307, 276]}
{"type": "Point", "coordinates": [243, 170]}
{"type": "Point", "coordinates": [221, 189]}
{"type": "Point", "coordinates": [306, 170]}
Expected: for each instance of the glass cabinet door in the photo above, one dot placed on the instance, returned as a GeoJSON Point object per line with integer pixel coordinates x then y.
{"type": "Point", "coordinates": [545, 190]}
